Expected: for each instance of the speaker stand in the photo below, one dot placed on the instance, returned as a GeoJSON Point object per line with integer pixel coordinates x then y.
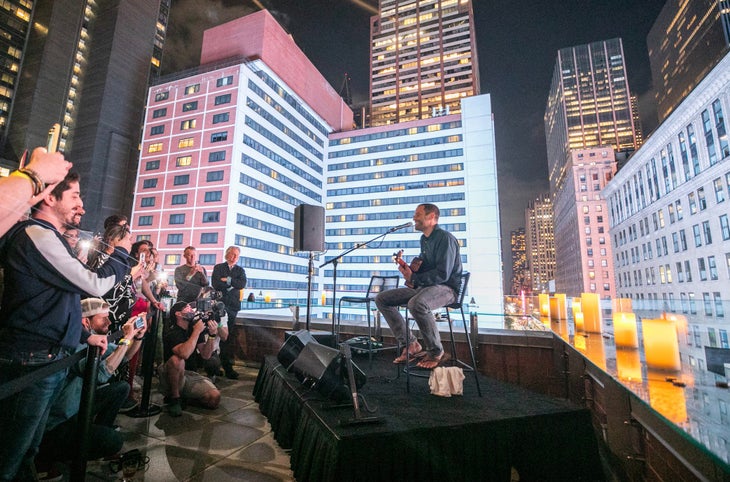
{"type": "Point", "coordinates": [310, 274]}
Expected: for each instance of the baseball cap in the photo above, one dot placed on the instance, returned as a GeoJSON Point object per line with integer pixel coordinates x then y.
{"type": "Point", "coordinates": [93, 306]}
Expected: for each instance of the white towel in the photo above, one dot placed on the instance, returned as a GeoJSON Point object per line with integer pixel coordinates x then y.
{"type": "Point", "coordinates": [446, 381]}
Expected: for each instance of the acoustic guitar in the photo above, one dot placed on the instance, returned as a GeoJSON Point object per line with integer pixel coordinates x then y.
{"type": "Point", "coordinates": [414, 266]}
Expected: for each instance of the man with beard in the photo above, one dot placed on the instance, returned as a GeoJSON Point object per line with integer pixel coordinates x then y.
{"type": "Point", "coordinates": [40, 318]}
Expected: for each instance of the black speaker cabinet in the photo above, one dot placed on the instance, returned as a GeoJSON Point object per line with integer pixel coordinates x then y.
{"type": "Point", "coordinates": [325, 370]}
{"type": "Point", "coordinates": [294, 343]}
{"type": "Point", "coordinates": [308, 228]}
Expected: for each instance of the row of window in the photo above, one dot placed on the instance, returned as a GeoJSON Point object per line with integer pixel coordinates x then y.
{"type": "Point", "coordinates": [184, 179]}
{"type": "Point", "coordinates": [181, 199]}
{"type": "Point", "coordinates": [688, 304]}
{"type": "Point", "coordinates": [194, 88]}
{"type": "Point", "coordinates": [396, 146]}
{"type": "Point", "coordinates": [179, 218]}
{"type": "Point", "coordinates": [706, 269]}
{"type": "Point", "coordinates": [183, 161]}
{"type": "Point", "coordinates": [187, 142]}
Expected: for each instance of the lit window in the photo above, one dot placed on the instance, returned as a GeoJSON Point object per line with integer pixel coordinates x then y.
{"type": "Point", "coordinates": [192, 89]}
{"type": "Point", "coordinates": [183, 161]}
{"type": "Point", "coordinates": [156, 147]}
{"type": "Point", "coordinates": [186, 142]}
{"type": "Point", "coordinates": [187, 124]}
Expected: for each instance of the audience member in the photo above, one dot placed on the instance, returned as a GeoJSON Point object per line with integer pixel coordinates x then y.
{"type": "Point", "coordinates": [40, 318]}
{"type": "Point", "coordinates": [25, 187]}
{"type": "Point", "coordinates": [144, 302]}
{"type": "Point", "coordinates": [214, 310]}
{"type": "Point", "coordinates": [229, 278]}
{"type": "Point", "coordinates": [61, 437]}
{"type": "Point", "coordinates": [178, 379]}
{"type": "Point", "coordinates": [190, 277]}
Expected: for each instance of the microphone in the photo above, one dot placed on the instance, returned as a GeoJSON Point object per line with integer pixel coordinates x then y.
{"type": "Point", "coordinates": [402, 226]}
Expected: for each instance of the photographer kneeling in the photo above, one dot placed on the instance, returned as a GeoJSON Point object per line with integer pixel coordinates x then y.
{"type": "Point", "coordinates": [178, 378]}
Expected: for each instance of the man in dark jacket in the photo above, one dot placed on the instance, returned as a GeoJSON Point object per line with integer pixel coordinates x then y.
{"type": "Point", "coordinates": [434, 284]}
{"type": "Point", "coordinates": [229, 278]}
{"type": "Point", "coordinates": [40, 319]}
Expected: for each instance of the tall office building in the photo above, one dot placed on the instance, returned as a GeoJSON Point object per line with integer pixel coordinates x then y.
{"type": "Point", "coordinates": [520, 273]}
{"type": "Point", "coordinates": [588, 118]}
{"type": "Point", "coordinates": [14, 26]}
{"type": "Point", "coordinates": [86, 65]}
{"type": "Point", "coordinates": [589, 105]}
{"type": "Point", "coordinates": [686, 41]}
{"type": "Point", "coordinates": [540, 242]}
{"type": "Point", "coordinates": [377, 176]}
{"type": "Point", "coordinates": [423, 59]}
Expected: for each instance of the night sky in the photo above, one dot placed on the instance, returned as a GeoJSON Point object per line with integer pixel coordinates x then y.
{"type": "Point", "coordinates": [517, 44]}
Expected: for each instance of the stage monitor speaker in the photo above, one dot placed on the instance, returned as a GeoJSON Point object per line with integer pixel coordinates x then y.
{"type": "Point", "coordinates": [293, 345]}
{"type": "Point", "coordinates": [325, 370]}
{"type": "Point", "coordinates": [308, 228]}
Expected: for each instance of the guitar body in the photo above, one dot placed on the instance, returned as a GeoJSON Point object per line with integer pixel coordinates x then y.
{"type": "Point", "coordinates": [414, 266]}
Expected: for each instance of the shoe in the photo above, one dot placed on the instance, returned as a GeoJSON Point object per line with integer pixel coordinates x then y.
{"type": "Point", "coordinates": [231, 374]}
{"type": "Point", "coordinates": [174, 408]}
{"type": "Point", "coordinates": [409, 351]}
{"type": "Point", "coordinates": [128, 405]}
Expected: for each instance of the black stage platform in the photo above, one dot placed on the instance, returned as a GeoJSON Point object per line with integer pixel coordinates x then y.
{"type": "Point", "coordinates": [424, 437]}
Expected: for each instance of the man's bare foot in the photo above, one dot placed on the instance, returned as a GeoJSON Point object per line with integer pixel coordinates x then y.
{"type": "Point", "coordinates": [411, 350]}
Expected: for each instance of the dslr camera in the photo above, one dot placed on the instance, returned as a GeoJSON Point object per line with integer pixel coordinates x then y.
{"type": "Point", "coordinates": [206, 306]}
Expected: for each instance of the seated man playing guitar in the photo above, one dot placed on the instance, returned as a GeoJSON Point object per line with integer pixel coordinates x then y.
{"type": "Point", "coordinates": [430, 285]}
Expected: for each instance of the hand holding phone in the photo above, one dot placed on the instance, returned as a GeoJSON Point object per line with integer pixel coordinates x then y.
{"type": "Point", "coordinates": [142, 258]}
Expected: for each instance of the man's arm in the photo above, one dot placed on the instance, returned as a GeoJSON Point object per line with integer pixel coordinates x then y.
{"type": "Point", "coordinates": [70, 273]}
{"type": "Point", "coordinates": [206, 349]}
{"type": "Point", "coordinates": [238, 278]}
{"type": "Point", "coordinates": [185, 349]}
{"type": "Point", "coordinates": [219, 279]}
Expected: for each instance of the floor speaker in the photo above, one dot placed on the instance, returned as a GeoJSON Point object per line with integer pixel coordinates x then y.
{"type": "Point", "coordinates": [294, 343]}
{"type": "Point", "coordinates": [308, 228]}
{"type": "Point", "coordinates": [323, 368]}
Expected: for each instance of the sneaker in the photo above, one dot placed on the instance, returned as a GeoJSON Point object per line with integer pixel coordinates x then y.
{"type": "Point", "coordinates": [128, 405]}
{"type": "Point", "coordinates": [231, 374]}
{"type": "Point", "coordinates": [174, 408]}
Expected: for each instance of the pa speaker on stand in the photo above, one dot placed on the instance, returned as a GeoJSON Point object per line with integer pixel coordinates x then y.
{"type": "Point", "coordinates": [309, 236]}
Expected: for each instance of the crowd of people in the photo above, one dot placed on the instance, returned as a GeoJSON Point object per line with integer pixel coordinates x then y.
{"type": "Point", "coordinates": [61, 296]}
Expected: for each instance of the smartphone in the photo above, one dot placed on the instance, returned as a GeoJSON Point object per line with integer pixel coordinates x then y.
{"type": "Point", "coordinates": [139, 323]}
{"type": "Point", "coordinates": [142, 258]}
{"type": "Point", "coordinates": [54, 137]}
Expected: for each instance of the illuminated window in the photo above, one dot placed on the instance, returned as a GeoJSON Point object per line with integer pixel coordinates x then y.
{"type": "Point", "coordinates": [156, 147]}
{"type": "Point", "coordinates": [192, 89]}
{"type": "Point", "coordinates": [172, 259]}
{"type": "Point", "coordinates": [186, 142]}
{"type": "Point", "coordinates": [183, 161]}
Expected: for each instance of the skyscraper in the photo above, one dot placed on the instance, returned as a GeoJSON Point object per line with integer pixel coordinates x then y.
{"type": "Point", "coordinates": [540, 242]}
{"type": "Point", "coordinates": [520, 274]}
{"type": "Point", "coordinates": [14, 25]}
{"type": "Point", "coordinates": [422, 59]}
{"type": "Point", "coordinates": [86, 66]}
{"type": "Point", "coordinates": [686, 41]}
{"type": "Point", "coordinates": [589, 104]}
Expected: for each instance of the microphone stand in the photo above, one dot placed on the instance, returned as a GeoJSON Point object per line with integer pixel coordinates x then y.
{"type": "Point", "coordinates": [334, 261]}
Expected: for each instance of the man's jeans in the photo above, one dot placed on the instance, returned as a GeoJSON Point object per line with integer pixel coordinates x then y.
{"type": "Point", "coordinates": [420, 302]}
{"type": "Point", "coordinates": [23, 417]}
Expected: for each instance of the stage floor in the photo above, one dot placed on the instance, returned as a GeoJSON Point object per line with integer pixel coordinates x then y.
{"type": "Point", "coordinates": [425, 437]}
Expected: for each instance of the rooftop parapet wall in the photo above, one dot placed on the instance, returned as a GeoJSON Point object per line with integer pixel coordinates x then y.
{"type": "Point", "coordinates": [260, 36]}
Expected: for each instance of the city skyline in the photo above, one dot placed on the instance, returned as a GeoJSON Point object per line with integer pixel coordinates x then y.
{"type": "Point", "coordinates": [516, 65]}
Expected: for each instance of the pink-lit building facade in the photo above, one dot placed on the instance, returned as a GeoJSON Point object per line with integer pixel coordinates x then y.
{"type": "Point", "coordinates": [584, 257]}
{"type": "Point", "coordinates": [231, 148]}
